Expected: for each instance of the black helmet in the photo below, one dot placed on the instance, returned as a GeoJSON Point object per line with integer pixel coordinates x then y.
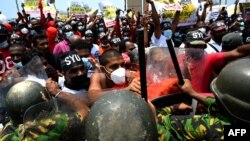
{"type": "Point", "coordinates": [23, 95]}
{"type": "Point", "coordinates": [231, 88]}
{"type": "Point", "coordinates": [120, 115]}
{"type": "Point", "coordinates": [66, 28]}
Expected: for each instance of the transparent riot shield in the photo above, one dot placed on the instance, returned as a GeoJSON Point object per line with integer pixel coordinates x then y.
{"type": "Point", "coordinates": [161, 74]}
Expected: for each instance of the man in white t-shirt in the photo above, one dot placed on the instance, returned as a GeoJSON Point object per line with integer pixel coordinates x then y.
{"type": "Point", "coordinates": [166, 33]}
{"type": "Point", "coordinates": [164, 30]}
{"type": "Point", "coordinates": [218, 30]}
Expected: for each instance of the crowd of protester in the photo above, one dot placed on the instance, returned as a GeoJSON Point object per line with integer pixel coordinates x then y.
{"type": "Point", "coordinates": [84, 58]}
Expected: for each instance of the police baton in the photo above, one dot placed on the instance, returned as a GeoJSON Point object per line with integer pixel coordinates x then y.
{"type": "Point", "coordinates": [175, 61]}
{"type": "Point", "coordinates": [191, 101]}
{"type": "Point", "coordinates": [142, 62]}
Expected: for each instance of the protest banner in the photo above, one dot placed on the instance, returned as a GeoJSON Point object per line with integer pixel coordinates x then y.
{"type": "Point", "coordinates": [31, 7]}
{"type": "Point", "coordinates": [109, 13]}
{"type": "Point", "coordinates": [167, 9]}
{"type": "Point", "coordinates": [63, 15]}
{"type": "Point", "coordinates": [78, 8]}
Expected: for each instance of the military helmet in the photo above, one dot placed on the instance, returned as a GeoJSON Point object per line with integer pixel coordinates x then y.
{"type": "Point", "coordinates": [23, 95]}
{"type": "Point", "coordinates": [231, 88]}
{"type": "Point", "coordinates": [120, 115]}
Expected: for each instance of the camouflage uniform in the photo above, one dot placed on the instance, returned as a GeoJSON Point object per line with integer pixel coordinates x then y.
{"type": "Point", "coordinates": [198, 127]}
{"type": "Point", "coordinates": [56, 128]}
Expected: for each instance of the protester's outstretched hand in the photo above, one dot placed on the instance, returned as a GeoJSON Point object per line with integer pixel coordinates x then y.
{"type": "Point", "coordinates": [135, 86]}
{"type": "Point", "coordinates": [52, 87]}
{"type": "Point", "coordinates": [40, 5]}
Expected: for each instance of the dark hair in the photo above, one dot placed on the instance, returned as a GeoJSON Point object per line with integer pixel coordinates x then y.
{"type": "Point", "coordinates": [80, 44]}
{"type": "Point", "coordinates": [17, 45]}
{"type": "Point", "coordinates": [38, 37]}
{"type": "Point", "coordinates": [108, 54]}
{"type": "Point", "coordinates": [28, 55]}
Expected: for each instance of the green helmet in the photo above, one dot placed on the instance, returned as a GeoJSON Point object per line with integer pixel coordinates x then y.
{"type": "Point", "coordinates": [232, 89]}
{"type": "Point", "coordinates": [23, 95]}
{"type": "Point", "coordinates": [120, 115]}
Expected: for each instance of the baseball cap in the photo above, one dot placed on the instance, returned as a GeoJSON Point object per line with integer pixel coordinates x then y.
{"type": "Point", "coordinates": [115, 41]}
{"type": "Point", "coordinates": [165, 25]}
{"type": "Point", "coordinates": [232, 39]}
{"type": "Point", "coordinates": [102, 35]}
{"type": "Point", "coordinates": [217, 26]}
{"type": "Point", "coordinates": [69, 60]}
{"type": "Point", "coordinates": [88, 32]}
{"type": "Point", "coordinates": [195, 38]}
{"type": "Point", "coordinates": [66, 28]}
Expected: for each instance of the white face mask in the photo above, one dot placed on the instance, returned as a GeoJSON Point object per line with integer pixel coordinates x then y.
{"type": "Point", "coordinates": [203, 30]}
{"type": "Point", "coordinates": [4, 44]}
{"type": "Point", "coordinates": [118, 76]}
{"type": "Point", "coordinates": [24, 30]}
{"type": "Point", "coordinates": [242, 28]}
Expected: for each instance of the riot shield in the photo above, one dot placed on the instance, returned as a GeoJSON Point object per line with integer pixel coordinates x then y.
{"type": "Point", "coordinates": [53, 114]}
{"type": "Point", "coordinates": [161, 74]}
{"type": "Point", "coordinates": [120, 115]}
{"type": "Point", "coordinates": [33, 70]}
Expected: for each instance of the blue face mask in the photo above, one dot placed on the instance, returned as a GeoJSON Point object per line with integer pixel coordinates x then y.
{"type": "Point", "coordinates": [86, 63]}
{"type": "Point", "coordinates": [18, 65]}
{"type": "Point", "coordinates": [167, 33]}
{"type": "Point", "coordinates": [69, 34]}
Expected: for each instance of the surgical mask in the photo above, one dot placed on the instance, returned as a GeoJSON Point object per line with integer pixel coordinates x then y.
{"type": "Point", "coordinates": [18, 65]}
{"type": "Point", "coordinates": [167, 33]}
{"type": "Point", "coordinates": [118, 76]}
{"type": "Point", "coordinates": [69, 34]}
{"type": "Point", "coordinates": [4, 44]}
{"type": "Point", "coordinates": [203, 30]}
{"type": "Point", "coordinates": [86, 63]}
{"type": "Point", "coordinates": [24, 30]}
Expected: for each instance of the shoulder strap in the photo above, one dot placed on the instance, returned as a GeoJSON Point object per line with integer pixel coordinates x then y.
{"type": "Point", "coordinates": [214, 47]}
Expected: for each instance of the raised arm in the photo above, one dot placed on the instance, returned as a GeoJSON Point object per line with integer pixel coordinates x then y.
{"type": "Point", "coordinates": [156, 20]}
{"type": "Point", "coordinates": [42, 16]}
{"type": "Point", "coordinates": [239, 52]}
{"type": "Point", "coordinates": [175, 21]}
